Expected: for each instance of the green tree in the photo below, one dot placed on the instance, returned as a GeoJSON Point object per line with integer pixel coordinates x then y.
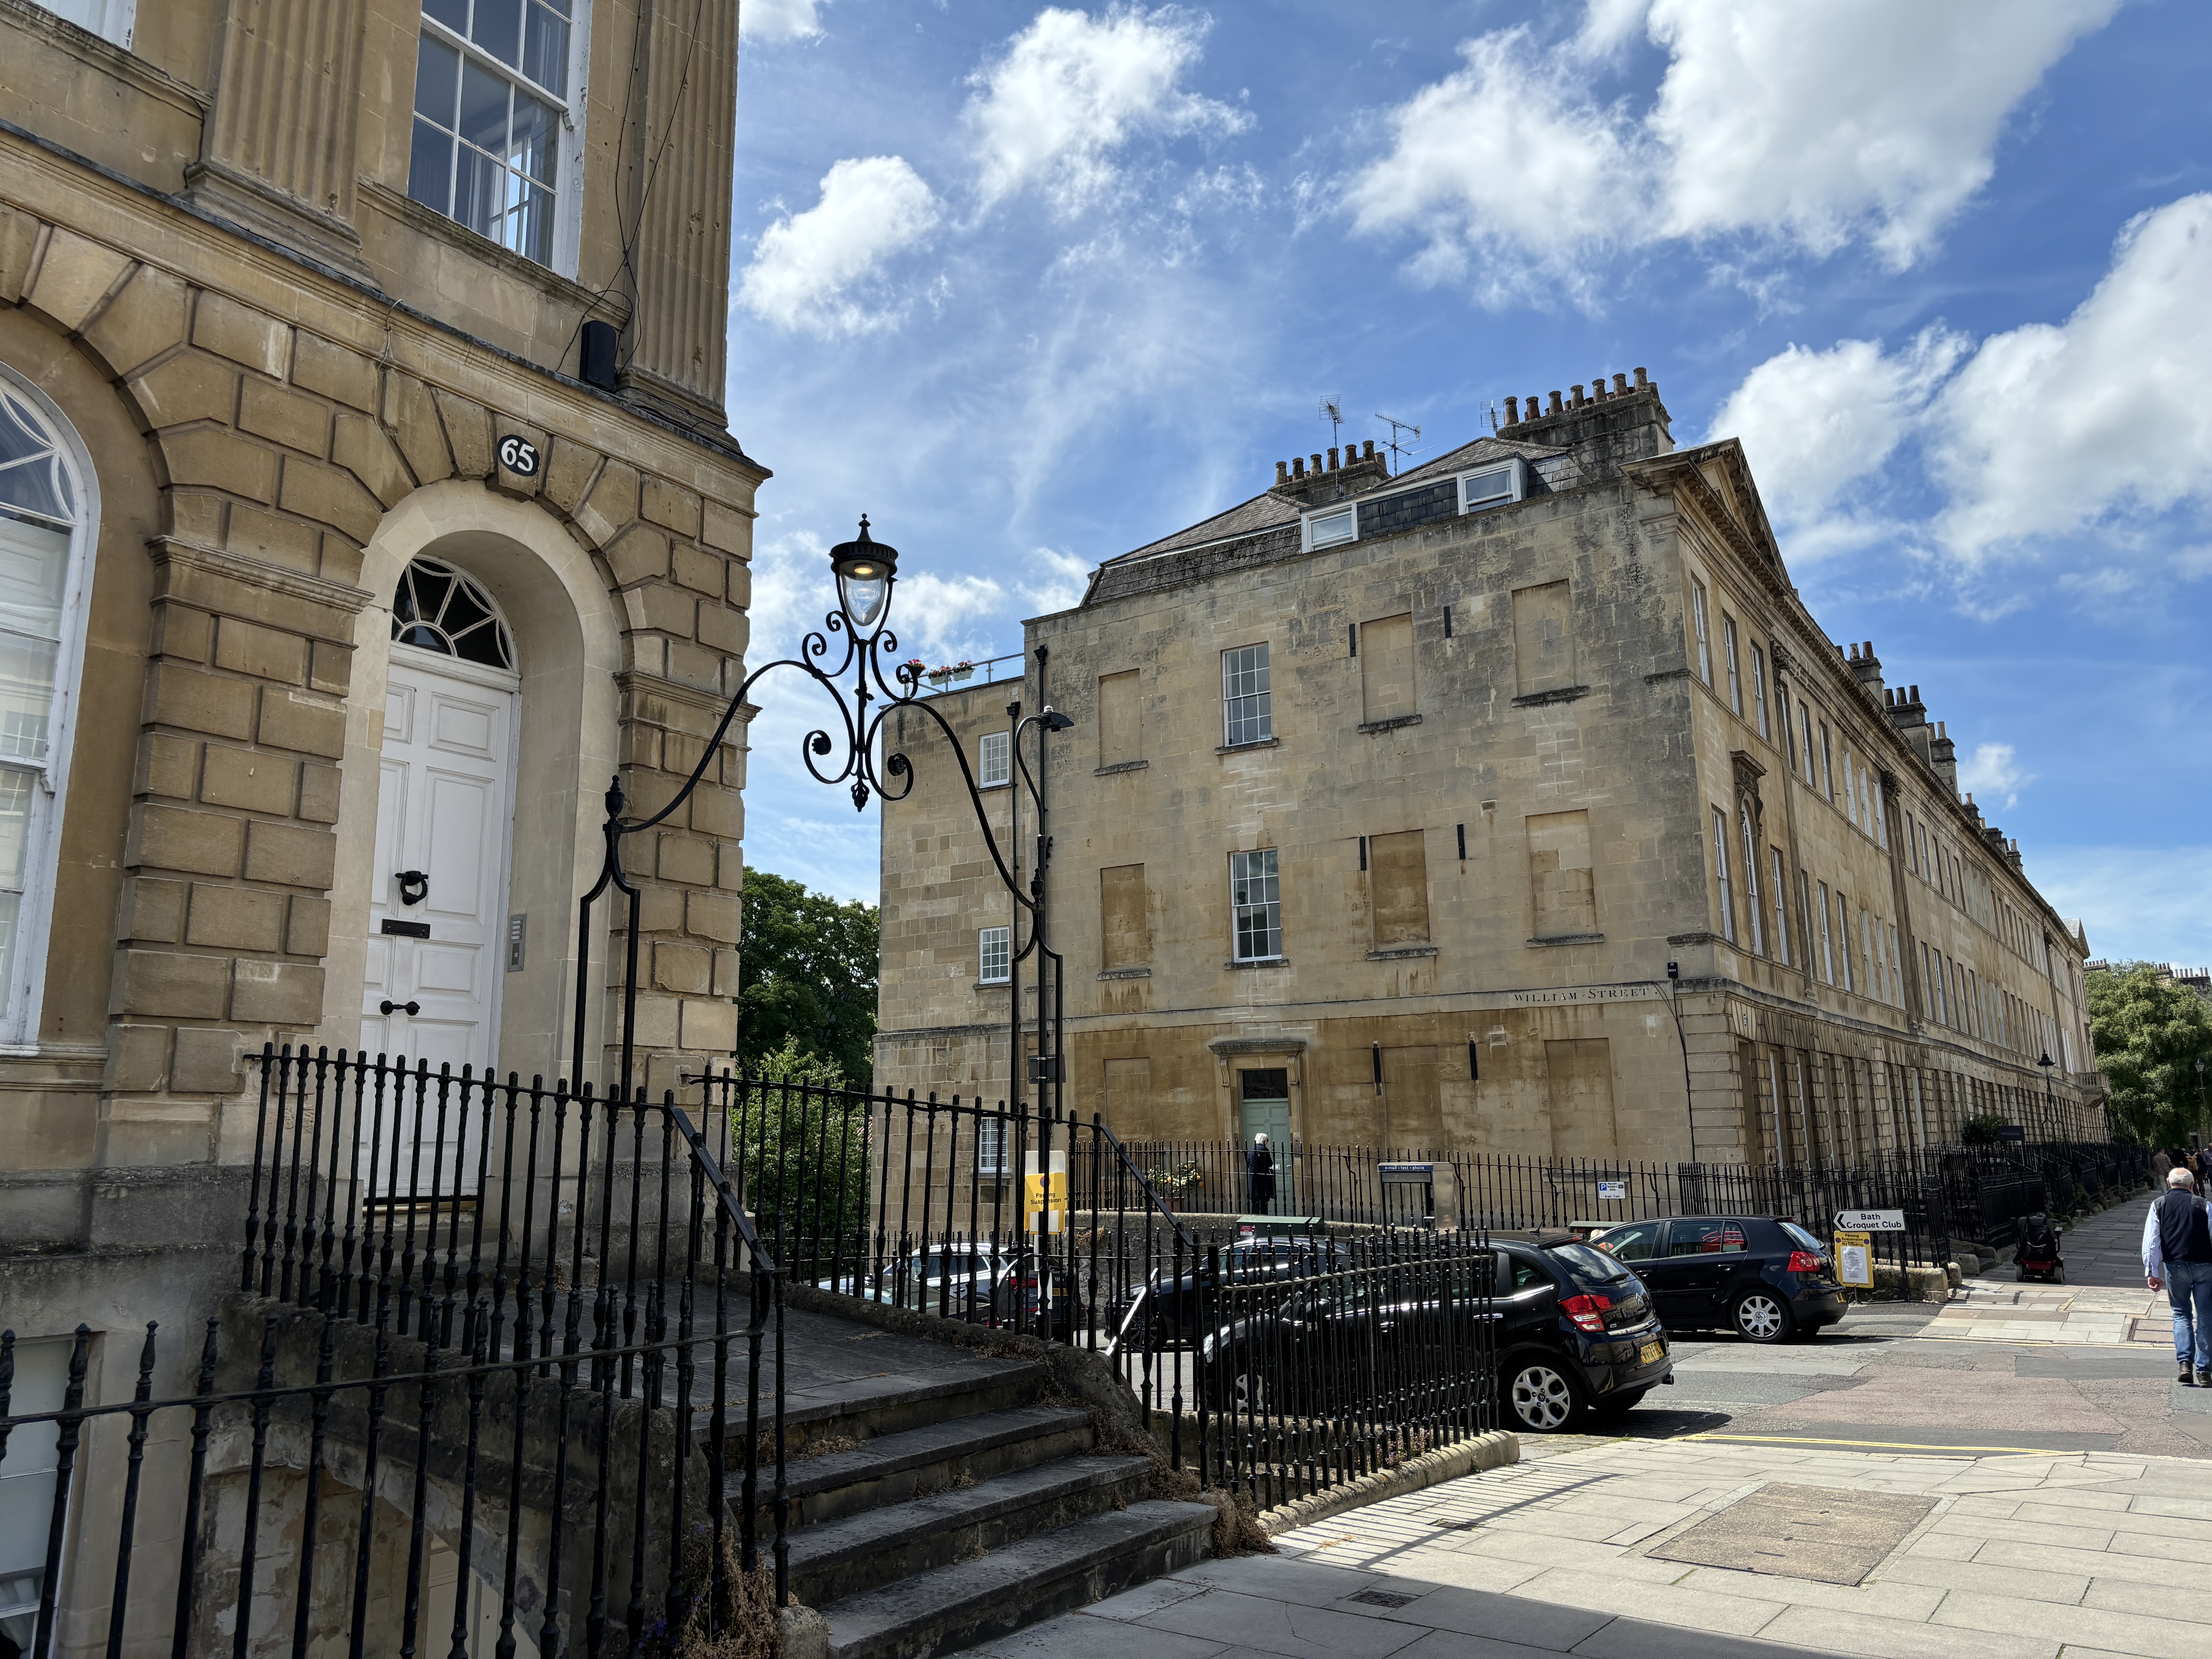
{"type": "Point", "coordinates": [807, 972]}
{"type": "Point", "coordinates": [2150, 1036]}
{"type": "Point", "coordinates": [803, 1152]}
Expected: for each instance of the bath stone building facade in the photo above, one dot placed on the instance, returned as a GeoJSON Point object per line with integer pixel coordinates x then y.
{"type": "Point", "coordinates": [1391, 801]}
{"type": "Point", "coordinates": [366, 502]}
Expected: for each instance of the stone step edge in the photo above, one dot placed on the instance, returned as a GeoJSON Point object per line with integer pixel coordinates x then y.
{"type": "Point", "coordinates": [825, 1543]}
{"type": "Point", "coordinates": [968, 1589]}
{"type": "Point", "coordinates": [909, 1449]}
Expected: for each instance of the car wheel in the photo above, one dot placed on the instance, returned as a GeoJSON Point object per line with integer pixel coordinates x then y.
{"type": "Point", "coordinates": [1762, 1317]}
{"type": "Point", "coordinates": [1541, 1397]}
{"type": "Point", "coordinates": [1625, 1400]}
{"type": "Point", "coordinates": [1249, 1394]}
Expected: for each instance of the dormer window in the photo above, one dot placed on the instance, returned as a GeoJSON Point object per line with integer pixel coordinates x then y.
{"type": "Point", "coordinates": [1333, 528]}
{"type": "Point", "coordinates": [1494, 486]}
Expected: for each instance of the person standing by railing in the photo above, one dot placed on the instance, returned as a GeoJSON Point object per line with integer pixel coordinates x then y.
{"type": "Point", "coordinates": [1260, 1176]}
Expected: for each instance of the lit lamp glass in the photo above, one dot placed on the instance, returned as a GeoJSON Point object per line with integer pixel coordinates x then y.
{"type": "Point", "coordinates": [865, 571]}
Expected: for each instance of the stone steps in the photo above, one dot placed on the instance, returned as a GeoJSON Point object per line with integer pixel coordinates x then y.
{"type": "Point", "coordinates": [874, 1547]}
{"type": "Point", "coordinates": [940, 1501]}
{"type": "Point", "coordinates": [955, 1606]}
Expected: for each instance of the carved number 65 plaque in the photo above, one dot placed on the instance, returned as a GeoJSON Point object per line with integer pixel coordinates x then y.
{"type": "Point", "coordinates": [518, 455]}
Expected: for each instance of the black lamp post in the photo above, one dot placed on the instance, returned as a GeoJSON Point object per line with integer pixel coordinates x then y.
{"type": "Point", "coordinates": [2050, 1095]}
{"type": "Point", "coordinates": [2203, 1117]}
{"type": "Point", "coordinates": [867, 572]}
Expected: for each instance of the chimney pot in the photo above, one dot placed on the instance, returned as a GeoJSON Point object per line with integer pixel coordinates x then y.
{"type": "Point", "coordinates": [1282, 471]}
{"type": "Point", "coordinates": [1367, 450]}
{"type": "Point", "coordinates": [1916, 694]}
{"type": "Point", "coordinates": [1940, 731]}
{"type": "Point", "coordinates": [1855, 653]}
{"type": "Point", "coordinates": [1555, 399]}
{"type": "Point", "coordinates": [1316, 458]}
{"type": "Point", "coordinates": [1579, 399]}
{"type": "Point", "coordinates": [1332, 457]}
{"type": "Point", "coordinates": [1512, 412]}
{"type": "Point", "coordinates": [1869, 648]}
{"type": "Point", "coordinates": [1641, 380]}
{"type": "Point", "coordinates": [1620, 386]}
{"type": "Point", "coordinates": [1298, 466]}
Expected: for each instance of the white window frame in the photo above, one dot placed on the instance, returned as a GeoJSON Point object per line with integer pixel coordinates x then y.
{"type": "Point", "coordinates": [1228, 738]}
{"type": "Point", "coordinates": [1698, 607]}
{"type": "Point", "coordinates": [1827, 949]}
{"type": "Point", "coordinates": [991, 1142]}
{"type": "Point", "coordinates": [1843, 927]}
{"type": "Point", "coordinates": [568, 192]}
{"type": "Point", "coordinates": [1721, 870]}
{"type": "Point", "coordinates": [1001, 744]}
{"type": "Point", "coordinates": [1735, 659]}
{"type": "Point", "coordinates": [1751, 882]}
{"type": "Point", "coordinates": [116, 20]}
{"type": "Point", "coordinates": [1319, 529]}
{"type": "Point", "coordinates": [1759, 690]}
{"type": "Point", "coordinates": [1273, 870]}
{"type": "Point", "coordinates": [985, 937]}
{"type": "Point", "coordinates": [33, 1460]}
{"type": "Point", "coordinates": [1516, 487]}
{"type": "Point", "coordinates": [25, 997]}
{"type": "Point", "coordinates": [1781, 907]}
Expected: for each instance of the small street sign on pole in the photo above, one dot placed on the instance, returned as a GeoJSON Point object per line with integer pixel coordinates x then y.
{"type": "Point", "coordinates": [1870, 1221]}
{"type": "Point", "coordinates": [1854, 1262]}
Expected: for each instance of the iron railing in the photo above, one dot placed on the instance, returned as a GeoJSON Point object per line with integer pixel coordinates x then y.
{"type": "Point", "coordinates": [509, 1324]}
{"type": "Point", "coordinates": [1351, 1356]}
{"type": "Point", "coordinates": [1048, 1227]}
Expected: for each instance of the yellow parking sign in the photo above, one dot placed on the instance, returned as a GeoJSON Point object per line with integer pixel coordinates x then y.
{"type": "Point", "coordinates": [1044, 1202]}
{"type": "Point", "coordinates": [1854, 1261]}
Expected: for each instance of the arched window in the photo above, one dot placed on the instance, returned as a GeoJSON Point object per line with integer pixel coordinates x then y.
{"type": "Point", "coordinates": [438, 608]}
{"type": "Point", "coordinates": [48, 513]}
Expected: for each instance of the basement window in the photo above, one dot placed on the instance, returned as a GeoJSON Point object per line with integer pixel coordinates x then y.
{"type": "Point", "coordinates": [1332, 529]}
{"type": "Point", "coordinates": [1494, 486]}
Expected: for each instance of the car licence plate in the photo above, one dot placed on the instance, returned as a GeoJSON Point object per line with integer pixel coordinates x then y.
{"type": "Point", "coordinates": [1649, 1351]}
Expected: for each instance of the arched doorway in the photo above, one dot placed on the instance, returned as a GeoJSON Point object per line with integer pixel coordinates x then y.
{"type": "Point", "coordinates": [438, 891]}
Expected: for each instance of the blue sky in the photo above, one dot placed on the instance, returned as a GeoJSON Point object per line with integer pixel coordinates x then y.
{"type": "Point", "coordinates": [1034, 286]}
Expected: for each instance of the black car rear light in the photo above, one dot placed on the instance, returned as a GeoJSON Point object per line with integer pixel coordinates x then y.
{"type": "Point", "coordinates": [1804, 1261]}
{"type": "Point", "coordinates": [1587, 1311]}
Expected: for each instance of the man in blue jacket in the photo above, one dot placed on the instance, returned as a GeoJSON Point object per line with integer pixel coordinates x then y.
{"type": "Point", "coordinates": [2177, 1250]}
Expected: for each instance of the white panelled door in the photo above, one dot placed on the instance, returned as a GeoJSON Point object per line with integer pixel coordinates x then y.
{"type": "Point", "coordinates": [431, 991]}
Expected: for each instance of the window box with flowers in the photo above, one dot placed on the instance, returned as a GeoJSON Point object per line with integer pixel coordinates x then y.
{"type": "Point", "coordinates": [951, 673]}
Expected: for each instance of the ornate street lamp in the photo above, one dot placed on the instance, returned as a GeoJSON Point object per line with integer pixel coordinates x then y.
{"type": "Point", "coordinates": [866, 569]}
{"type": "Point", "coordinates": [2050, 1097]}
{"type": "Point", "coordinates": [867, 572]}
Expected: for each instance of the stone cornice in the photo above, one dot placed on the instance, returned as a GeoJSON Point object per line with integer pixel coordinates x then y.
{"type": "Point", "coordinates": [1226, 1046]}
{"type": "Point", "coordinates": [55, 183]}
{"type": "Point", "coordinates": [630, 680]}
{"type": "Point", "coordinates": [429, 221]}
{"type": "Point", "coordinates": [127, 67]}
{"type": "Point", "coordinates": [257, 572]}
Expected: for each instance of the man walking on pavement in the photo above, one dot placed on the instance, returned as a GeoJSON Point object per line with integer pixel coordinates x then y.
{"type": "Point", "coordinates": [2177, 1248]}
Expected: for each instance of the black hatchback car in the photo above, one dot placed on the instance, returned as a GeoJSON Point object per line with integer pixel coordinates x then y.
{"type": "Point", "coordinates": [1761, 1277]}
{"type": "Point", "coordinates": [1576, 1333]}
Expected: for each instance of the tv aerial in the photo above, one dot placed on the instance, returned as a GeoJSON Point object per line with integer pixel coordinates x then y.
{"type": "Point", "coordinates": [1332, 410]}
{"type": "Point", "coordinates": [1398, 446]}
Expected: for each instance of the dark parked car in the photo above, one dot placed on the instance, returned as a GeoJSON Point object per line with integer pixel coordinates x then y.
{"type": "Point", "coordinates": [1167, 1311]}
{"type": "Point", "coordinates": [1761, 1277]}
{"type": "Point", "coordinates": [1571, 1328]}
{"type": "Point", "coordinates": [1576, 1333]}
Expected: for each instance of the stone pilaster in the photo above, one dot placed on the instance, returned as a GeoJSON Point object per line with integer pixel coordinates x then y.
{"type": "Point", "coordinates": [681, 186]}
{"type": "Point", "coordinates": [277, 153]}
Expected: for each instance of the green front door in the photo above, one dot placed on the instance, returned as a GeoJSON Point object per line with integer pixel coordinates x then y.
{"type": "Point", "coordinates": [1263, 1108]}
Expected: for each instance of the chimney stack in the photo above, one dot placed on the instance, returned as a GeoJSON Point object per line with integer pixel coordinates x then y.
{"type": "Point", "coordinates": [1943, 756]}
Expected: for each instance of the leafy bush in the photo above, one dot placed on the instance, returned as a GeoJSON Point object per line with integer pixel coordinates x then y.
{"type": "Point", "coordinates": [801, 1151]}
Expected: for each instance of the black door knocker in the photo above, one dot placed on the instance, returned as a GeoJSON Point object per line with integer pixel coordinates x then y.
{"type": "Point", "coordinates": [414, 886]}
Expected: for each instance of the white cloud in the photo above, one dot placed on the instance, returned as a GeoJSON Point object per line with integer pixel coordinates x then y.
{"type": "Point", "coordinates": [1992, 771]}
{"type": "Point", "coordinates": [2034, 435]}
{"type": "Point", "coordinates": [2144, 903]}
{"type": "Point", "coordinates": [1062, 581]}
{"type": "Point", "coordinates": [1814, 424]}
{"type": "Point", "coordinates": [1510, 173]}
{"type": "Point", "coordinates": [781, 19]}
{"type": "Point", "coordinates": [1072, 90]}
{"type": "Point", "coordinates": [1833, 120]}
{"type": "Point", "coordinates": [1798, 123]}
{"type": "Point", "coordinates": [818, 270]}
{"type": "Point", "coordinates": [2052, 429]}
{"type": "Point", "coordinates": [937, 617]}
